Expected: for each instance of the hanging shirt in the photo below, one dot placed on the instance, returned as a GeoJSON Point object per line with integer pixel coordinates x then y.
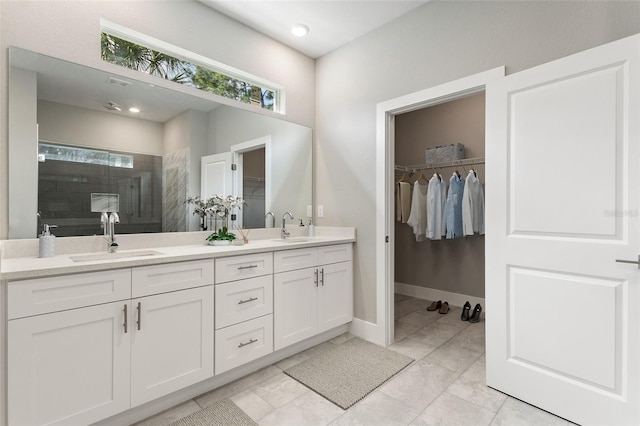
{"type": "Point", "coordinates": [403, 201]}
{"type": "Point", "coordinates": [418, 216]}
{"type": "Point", "coordinates": [472, 206]}
{"type": "Point", "coordinates": [435, 208]}
{"type": "Point", "coordinates": [453, 207]}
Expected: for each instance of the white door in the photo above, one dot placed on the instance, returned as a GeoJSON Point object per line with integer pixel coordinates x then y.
{"type": "Point", "coordinates": [335, 298]}
{"type": "Point", "coordinates": [171, 342]}
{"type": "Point", "coordinates": [216, 177]}
{"type": "Point", "coordinates": [69, 367]}
{"type": "Point", "coordinates": [295, 306]}
{"type": "Point", "coordinates": [562, 205]}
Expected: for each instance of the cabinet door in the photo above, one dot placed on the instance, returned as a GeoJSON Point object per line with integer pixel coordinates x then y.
{"type": "Point", "coordinates": [295, 306]}
{"type": "Point", "coordinates": [335, 298]}
{"type": "Point", "coordinates": [171, 342]}
{"type": "Point", "coordinates": [69, 367]}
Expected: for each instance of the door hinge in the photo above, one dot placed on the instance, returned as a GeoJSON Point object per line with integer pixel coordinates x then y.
{"type": "Point", "coordinates": [234, 167]}
{"type": "Point", "coordinates": [386, 239]}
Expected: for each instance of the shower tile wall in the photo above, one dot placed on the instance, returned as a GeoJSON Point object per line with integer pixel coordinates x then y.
{"type": "Point", "coordinates": [175, 179]}
{"type": "Point", "coordinates": [65, 187]}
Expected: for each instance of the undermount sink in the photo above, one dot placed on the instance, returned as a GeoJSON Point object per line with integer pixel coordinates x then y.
{"type": "Point", "coordinates": [293, 240]}
{"type": "Point", "coordinates": [110, 256]}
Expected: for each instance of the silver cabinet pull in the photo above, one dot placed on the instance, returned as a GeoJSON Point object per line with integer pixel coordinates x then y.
{"type": "Point", "coordinates": [125, 318]}
{"type": "Point", "coordinates": [315, 278]}
{"type": "Point", "coordinates": [139, 322]}
{"type": "Point", "coordinates": [247, 267]}
{"type": "Point", "coordinates": [251, 299]}
{"type": "Point", "coordinates": [322, 277]}
{"type": "Point", "coordinates": [635, 262]}
{"type": "Point", "coordinates": [243, 344]}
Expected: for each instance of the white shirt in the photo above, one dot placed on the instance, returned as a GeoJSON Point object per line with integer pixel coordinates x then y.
{"type": "Point", "coordinates": [418, 216]}
{"type": "Point", "coordinates": [436, 195]}
{"type": "Point", "coordinates": [472, 206]}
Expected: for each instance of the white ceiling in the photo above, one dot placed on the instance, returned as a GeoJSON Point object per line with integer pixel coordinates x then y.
{"type": "Point", "coordinates": [332, 23]}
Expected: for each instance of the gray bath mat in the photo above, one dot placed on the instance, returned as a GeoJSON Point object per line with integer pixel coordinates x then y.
{"type": "Point", "coordinates": [346, 374]}
{"type": "Point", "coordinates": [223, 412]}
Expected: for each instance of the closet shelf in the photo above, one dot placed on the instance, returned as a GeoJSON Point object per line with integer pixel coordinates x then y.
{"type": "Point", "coordinates": [435, 166]}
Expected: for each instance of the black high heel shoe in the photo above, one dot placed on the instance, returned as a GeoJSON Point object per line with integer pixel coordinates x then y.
{"type": "Point", "coordinates": [465, 312]}
{"type": "Point", "coordinates": [476, 314]}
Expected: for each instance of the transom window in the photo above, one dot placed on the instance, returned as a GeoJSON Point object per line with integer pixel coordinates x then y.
{"type": "Point", "coordinates": [183, 70]}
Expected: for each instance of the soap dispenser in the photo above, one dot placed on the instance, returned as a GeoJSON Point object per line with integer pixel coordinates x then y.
{"type": "Point", "coordinates": [47, 242]}
{"type": "Point", "coordinates": [311, 230]}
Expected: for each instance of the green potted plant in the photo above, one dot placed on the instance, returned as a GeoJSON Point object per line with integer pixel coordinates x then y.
{"type": "Point", "coordinates": [221, 238]}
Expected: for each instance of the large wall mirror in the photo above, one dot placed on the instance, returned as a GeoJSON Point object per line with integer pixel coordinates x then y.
{"type": "Point", "coordinates": [71, 135]}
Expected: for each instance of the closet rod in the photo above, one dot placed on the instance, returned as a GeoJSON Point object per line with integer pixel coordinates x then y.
{"type": "Point", "coordinates": [453, 163]}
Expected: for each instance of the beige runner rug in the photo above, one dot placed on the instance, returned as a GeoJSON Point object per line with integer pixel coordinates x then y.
{"type": "Point", "coordinates": [346, 374]}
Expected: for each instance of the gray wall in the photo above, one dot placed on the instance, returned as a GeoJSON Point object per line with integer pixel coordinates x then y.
{"type": "Point", "coordinates": [436, 43]}
{"type": "Point", "coordinates": [455, 265]}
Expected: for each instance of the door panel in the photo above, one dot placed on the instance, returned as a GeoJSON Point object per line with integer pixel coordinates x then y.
{"type": "Point", "coordinates": [69, 367]}
{"type": "Point", "coordinates": [295, 306]}
{"type": "Point", "coordinates": [551, 124]}
{"type": "Point", "coordinates": [216, 175]}
{"type": "Point", "coordinates": [171, 342]}
{"type": "Point", "coordinates": [562, 205]}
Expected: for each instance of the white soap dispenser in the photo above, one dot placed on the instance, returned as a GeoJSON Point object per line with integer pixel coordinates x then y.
{"type": "Point", "coordinates": [47, 246]}
{"type": "Point", "coordinates": [311, 230]}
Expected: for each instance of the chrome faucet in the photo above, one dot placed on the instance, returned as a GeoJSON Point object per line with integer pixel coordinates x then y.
{"type": "Point", "coordinates": [284, 233]}
{"type": "Point", "coordinates": [273, 219]}
{"type": "Point", "coordinates": [108, 222]}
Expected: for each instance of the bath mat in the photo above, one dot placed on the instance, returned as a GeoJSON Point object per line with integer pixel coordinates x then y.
{"type": "Point", "coordinates": [346, 374]}
{"type": "Point", "coordinates": [223, 412]}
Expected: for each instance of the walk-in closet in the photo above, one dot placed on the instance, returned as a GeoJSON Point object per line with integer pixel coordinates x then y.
{"type": "Point", "coordinates": [438, 264]}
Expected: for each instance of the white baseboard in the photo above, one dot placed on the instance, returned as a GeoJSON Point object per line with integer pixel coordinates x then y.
{"type": "Point", "coordinates": [367, 331]}
{"type": "Point", "coordinates": [454, 299]}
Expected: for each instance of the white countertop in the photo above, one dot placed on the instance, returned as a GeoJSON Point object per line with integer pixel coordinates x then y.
{"type": "Point", "coordinates": [30, 266]}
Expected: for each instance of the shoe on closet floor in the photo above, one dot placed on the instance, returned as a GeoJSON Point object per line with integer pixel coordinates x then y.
{"type": "Point", "coordinates": [475, 317]}
{"type": "Point", "coordinates": [444, 308]}
{"type": "Point", "coordinates": [435, 305]}
{"type": "Point", "coordinates": [465, 311]}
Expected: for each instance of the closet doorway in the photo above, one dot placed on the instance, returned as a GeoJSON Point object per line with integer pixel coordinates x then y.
{"type": "Point", "coordinates": [430, 266]}
{"type": "Point", "coordinates": [388, 117]}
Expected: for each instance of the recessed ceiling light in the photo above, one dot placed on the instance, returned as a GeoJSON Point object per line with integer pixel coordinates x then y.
{"type": "Point", "coordinates": [112, 106]}
{"type": "Point", "coordinates": [134, 110]}
{"type": "Point", "coordinates": [299, 30]}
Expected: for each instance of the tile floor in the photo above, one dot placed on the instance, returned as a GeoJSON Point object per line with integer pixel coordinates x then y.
{"type": "Point", "coordinates": [444, 386]}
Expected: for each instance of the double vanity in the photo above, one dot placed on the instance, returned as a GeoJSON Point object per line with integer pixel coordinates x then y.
{"type": "Point", "coordinates": [93, 336]}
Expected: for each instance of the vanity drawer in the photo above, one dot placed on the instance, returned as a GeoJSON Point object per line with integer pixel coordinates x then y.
{"type": "Point", "coordinates": [335, 254]}
{"type": "Point", "coordinates": [243, 300]}
{"type": "Point", "coordinates": [240, 267]}
{"type": "Point", "coordinates": [289, 260]}
{"type": "Point", "coordinates": [43, 295]}
{"type": "Point", "coordinates": [155, 279]}
{"type": "Point", "coordinates": [244, 342]}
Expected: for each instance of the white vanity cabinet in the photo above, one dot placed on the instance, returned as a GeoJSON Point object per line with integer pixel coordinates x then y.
{"type": "Point", "coordinates": [172, 332]}
{"type": "Point", "coordinates": [313, 292]}
{"type": "Point", "coordinates": [68, 366]}
{"type": "Point", "coordinates": [244, 306]}
{"type": "Point", "coordinates": [75, 356]}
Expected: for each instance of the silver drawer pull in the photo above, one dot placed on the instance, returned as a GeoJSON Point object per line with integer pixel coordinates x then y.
{"type": "Point", "coordinates": [634, 262]}
{"type": "Point", "coordinates": [251, 299]}
{"type": "Point", "coordinates": [241, 345]}
{"type": "Point", "coordinates": [126, 326]}
{"type": "Point", "coordinates": [247, 267]}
